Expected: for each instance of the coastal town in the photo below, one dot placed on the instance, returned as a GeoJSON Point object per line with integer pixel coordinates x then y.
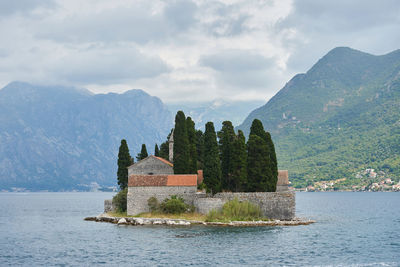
{"type": "Point", "coordinates": [372, 181]}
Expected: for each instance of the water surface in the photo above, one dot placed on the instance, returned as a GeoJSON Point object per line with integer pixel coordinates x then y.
{"type": "Point", "coordinates": [352, 229]}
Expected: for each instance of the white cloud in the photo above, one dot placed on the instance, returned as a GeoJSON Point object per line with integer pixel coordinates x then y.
{"type": "Point", "coordinates": [185, 50]}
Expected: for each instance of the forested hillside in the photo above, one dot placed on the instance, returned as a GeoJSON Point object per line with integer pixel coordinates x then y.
{"type": "Point", "coordinates": [338, 119]}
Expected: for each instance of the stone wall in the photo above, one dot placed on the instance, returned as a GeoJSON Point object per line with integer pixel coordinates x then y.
{"type": "Point", "coordinates": [108, 206]}
{"type": "Point", "coordinates": [204, 205]}
{"type": "Point", "coordinates": [138, 196]}
{"type": "Point", "coordinates": [274, 205]}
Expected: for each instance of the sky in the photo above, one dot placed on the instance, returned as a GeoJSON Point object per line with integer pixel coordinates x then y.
{"type": "Point", "coordinates": [185, 50]}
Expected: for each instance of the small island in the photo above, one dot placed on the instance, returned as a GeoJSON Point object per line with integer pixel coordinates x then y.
{"type": "Point", "coordinates": [239, 184]}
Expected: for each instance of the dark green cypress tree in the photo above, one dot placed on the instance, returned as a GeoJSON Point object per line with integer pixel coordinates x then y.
{"type": "Point", "coordinates": [258, 129]}
{"type": "Point", "coordinates": [200, 148]}
{"type": "Point", "coordinates": [181, 145]}
{"type": "Point", "coordinates": [156, 151]}
{"type": "Point", "coordinates": [124, 161]}
{"type": "Point", "coordinates": [143, 153]}
{"type": "Point", "coordinates": [226, 138]}
{"type": "Point", "coordinates": [191, 133]}
{"type": "Point", "coordinates": [164, 148]}
{"type": "Point", "coordinates": [274, 162]}
{"type": "Point", "coordinates": [212, 164]}
{"type": "Point", "coordinates": [239, 163]}
{"type": "Point", "coordinates": [258, 165]}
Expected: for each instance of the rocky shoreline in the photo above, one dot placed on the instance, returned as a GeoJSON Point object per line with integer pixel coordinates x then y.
{"type": "Point", "coordinates": [182, 222]}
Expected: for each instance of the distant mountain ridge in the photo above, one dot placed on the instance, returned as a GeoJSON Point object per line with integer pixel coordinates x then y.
{"type": "Point", "coordinates": [64, 138]}
{"type": "Point", "coordinates": [340, 117]}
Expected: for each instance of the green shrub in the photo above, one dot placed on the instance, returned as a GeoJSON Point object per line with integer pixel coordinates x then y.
{"type": "Point", "coordinates": [119, 200]}
{"type": "Point", "coordinates": [154, 206]}
{"type": "Point", "coordinates": [174, 205]}
{"type": "Point", "coordinates": [236, 210]}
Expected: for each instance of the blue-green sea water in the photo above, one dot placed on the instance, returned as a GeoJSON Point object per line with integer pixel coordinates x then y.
{"type": "Point", "coordinates": [352, 229]}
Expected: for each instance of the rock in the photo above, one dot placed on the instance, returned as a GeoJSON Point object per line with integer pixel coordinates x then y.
{"type": "Point", "coordinates": [139, 221]}
{"type": "Point", "coordinates": [122, 221]}
{"type": "Point", "coordinates": [158, 222]}
{"type": "Point", "coordinates": [183, 223]}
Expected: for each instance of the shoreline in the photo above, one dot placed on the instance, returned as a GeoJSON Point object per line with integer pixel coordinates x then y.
{"type": "Point", "coordinates": [182, 222]}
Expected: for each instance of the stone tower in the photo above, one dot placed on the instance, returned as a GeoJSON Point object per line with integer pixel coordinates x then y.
{"type": "Point", "coordinates": [171, 147]}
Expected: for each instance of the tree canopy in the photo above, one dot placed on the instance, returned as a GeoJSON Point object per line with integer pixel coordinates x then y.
{"type": "Point", "coordinates": [181, 145]}
{"type": "Point", "coordinates": [212, 163]}
{"type": "Point", "coordinates": [124, 161]}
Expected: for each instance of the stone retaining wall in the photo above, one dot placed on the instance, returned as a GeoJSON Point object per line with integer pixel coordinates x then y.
{"type": "Point", "coordinates": [274, 205]}
{"type": "Point", "coordinates": [204, 205]}
{"type": "Point", "coordinates": [108, 206]}
{"type": "Point", "coordinates": [138, 196]}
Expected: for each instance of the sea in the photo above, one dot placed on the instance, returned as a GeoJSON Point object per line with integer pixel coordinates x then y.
{"type": "Point", "coordinates": [351, 229]}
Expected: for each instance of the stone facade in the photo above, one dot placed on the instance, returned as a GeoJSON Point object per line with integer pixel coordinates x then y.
{"type": "Point", "coordinates": [108, 206]}
{"type": "Point", "coordinates": [150, 166]}
{"type": "Point", "coordinates": [139, 195]}
{"type": "Point", "coordinates": [283, 181]}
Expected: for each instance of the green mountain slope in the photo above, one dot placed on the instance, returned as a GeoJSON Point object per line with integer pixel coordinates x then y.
{"type": "Point", "coordinates": [338, 119]}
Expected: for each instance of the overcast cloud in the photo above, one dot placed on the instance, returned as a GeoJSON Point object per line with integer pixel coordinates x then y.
{"type": "Point", "coordinates": [185, 50]}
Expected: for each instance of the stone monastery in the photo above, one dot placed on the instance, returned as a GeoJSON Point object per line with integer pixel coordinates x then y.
{"type": "Point", "coordinates": [154, 177]}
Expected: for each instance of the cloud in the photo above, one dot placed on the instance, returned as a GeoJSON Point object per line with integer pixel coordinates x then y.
{"type": "Point", "coordinates": [240, 68]}
{"type": "Point", "coordinates": [9, 8]}
{"type": "Point", "coordinates": [236, 61]}
{"type": "Point", "coordinates": [141, 23]}
{"type": "Point", "coordinates": [319, 26]}
{"type": "Point", "coordinates": [185, 50]}
{"type": "Point", "coordinates": [107, 66]}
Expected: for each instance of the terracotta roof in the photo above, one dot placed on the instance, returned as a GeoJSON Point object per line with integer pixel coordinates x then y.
{"type": "Point", "coordinates": [147, 180]}
{"type": "Point", "coordinates": [163, 180]}
{"type": "Point", "coordinates": [182, 180]}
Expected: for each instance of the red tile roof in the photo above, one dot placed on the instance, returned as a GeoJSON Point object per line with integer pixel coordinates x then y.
{"type": "Point", "coordinates": [163, 180]}
{"type": "Point", "coordinates": [182, 180]}
{"type": "Point", "coordinates": [147, 180]}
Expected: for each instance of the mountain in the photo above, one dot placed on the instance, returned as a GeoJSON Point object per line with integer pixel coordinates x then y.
{"type": "Point", "coordinates": [338, 119]}
{"type": "Point", "coordinates": [65, 138]}
{"type": "Point", "coordinates": [216, 111]}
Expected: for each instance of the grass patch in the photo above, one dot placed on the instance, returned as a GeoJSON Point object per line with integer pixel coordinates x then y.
{"type": "Point", "coordinates": [236, 210]}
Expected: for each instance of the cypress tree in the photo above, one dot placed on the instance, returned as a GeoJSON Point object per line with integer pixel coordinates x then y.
{"type": "Point", "coordinates": [192, 150]}
{"type": "Point", "coordinates": [239, 163]}
{"type": "Point", "coordinates": [200, 148]}
{"type": "Point", "coordinates": [181, 145]}
{"type": "Point", "coordinates": [258, 165]}
{"type": "Point", "coordinates": [226, 138]}
{"type": "Point", "coordinates": [143, 153]}
{"type": "Point", "coordinates": [164, 150]}
{"type": "Point", "coordinates": [156, 151]}
{"type": "Point", "coordinates": [274, 162]}
{"type": "Point", "coordinates": [258, 129]}
{"type": "Point", "coordinates": [124, 161]}
{"type": "Point", "coordinates": [212, 164]}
